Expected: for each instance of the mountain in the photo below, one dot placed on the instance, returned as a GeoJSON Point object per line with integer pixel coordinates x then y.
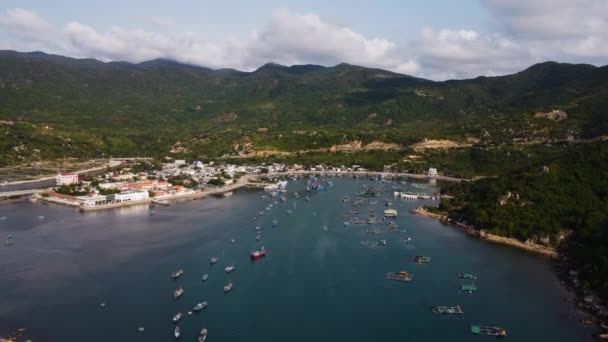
{"type": "Point", "coordinates": [55, 106]}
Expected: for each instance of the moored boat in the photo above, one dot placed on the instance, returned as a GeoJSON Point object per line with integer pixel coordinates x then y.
{"type": "Point", "coordinates": [205, 277]}
{"type": "Point", "coordinates": [450, 310]}
{"type": "Point", "coordinates": [177, 317]}
{"type": "Point", "coordinates": [421, 259]}
{"type": "Point", "coordinates": [200, 306]}
{"type": "Point", "coordinates": [177, 273]}
{"type": "Point", "coordinates": [177, 332]}
{"type": "Point", "coordinates": [213, 260]}
{"type": "Point", "coordinates": [400, 276]}
{"type": "Point", "coordinates": [230, 268]}
{"type": "Point", "coordinates": [467, 276]}
{"type": "Point", "coordinates": [203, 335]}
{"type": "Point", "coordinates": [485, 330]}
{"type": "Point", "coordinates": [228, 287]}
{"type": "Point", "coordinates": [255, 255]}
{"type": "Point", "coordinates": [178, 292]}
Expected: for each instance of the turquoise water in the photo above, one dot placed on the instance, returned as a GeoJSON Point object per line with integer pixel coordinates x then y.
{"type": "Point", "coordinates": [315, 284]}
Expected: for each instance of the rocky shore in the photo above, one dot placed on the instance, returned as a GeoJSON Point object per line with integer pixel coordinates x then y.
{"type": "Point", "coordinates": [482, 234]}
{"type": "Point", "coordinates": [587, 303]}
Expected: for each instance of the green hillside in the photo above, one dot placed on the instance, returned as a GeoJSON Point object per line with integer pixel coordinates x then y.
{"type": "Point", "coordinates": [55, 107]}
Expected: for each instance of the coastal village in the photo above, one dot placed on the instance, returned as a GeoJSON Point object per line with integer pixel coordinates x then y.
{"type": "Point", "coordinates": [129, 185]}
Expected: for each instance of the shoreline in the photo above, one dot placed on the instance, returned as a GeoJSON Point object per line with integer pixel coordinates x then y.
{"type": "Point", "coordinates": [591, 310]}
{"type": "Point", "coordinates": [484, 235]}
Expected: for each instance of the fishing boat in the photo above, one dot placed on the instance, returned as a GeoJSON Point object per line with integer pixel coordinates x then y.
{"type": "Point", "coordinates": [467, 276]}
{"type": "Point", "coordinates": [255, 255]}
{"type": "Point", "coordinates": [213, 260]}
{"type": "Point", "coordinates": [177, 293]}
{"type": "Point", "coordinates": [228, 287]}
{"type": "Point", "coordinates": [230, 268]}
{"type": "Point", "coordinates": [205, 277]}
{"type": "Point", "coordinates": [177, 273]}
{"type": "Point", "coordinates": [176, 332]}
{"type": "Point", "coordinates": [200, 306]}
{"type": "Point", "coordinates": [203, 335]}
{"type": "Point", "coordinates": [400, 276]}
{"type": "Point", "coordinates": [177, 317]}
{"type": "Point", "coordinates": [421, 259]}
{"type": "Point", "coordinates": [491, 331]}
{"type": "Point", "coordinates": [449, 310]}
{"type": "Point", "coordinates": [390, 213]}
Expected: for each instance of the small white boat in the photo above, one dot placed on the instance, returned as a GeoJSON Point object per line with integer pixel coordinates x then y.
{"type": "Point", "coordinates": [228, 287]}
{"type": "Point", "coordinates": [177, 317]}
{"type": "Point", "coordinates": [213, 260]}
{"type": "Point", "coordinates": [230, 268]}
{"type": "Point", "coordinates": [203, 336]}
{"type": "Point", "coordinates": [177, 293]}
{"type": "Point", "coordinates": [41, 217]}
{"type": "Point", "coordinates": [176, 332]}
{"type": "Point", "coordinates": [2, 218]}
{"type": "Point", "coordinates": [200, 306]}
{"type": "Point", "coordinates": [205, 277]}
{"type": "Point", "coordinates": [232, 240]}
{"type": "Point", "coordinates": [141, 329]}
{"type": "Point", "coordinates": [102, 304]}
{"type": "Point", "coordinates": [177, 273]}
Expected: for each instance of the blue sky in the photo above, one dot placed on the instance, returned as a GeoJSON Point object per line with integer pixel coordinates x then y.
{"type": "Point", "coordinates": [434, 39]}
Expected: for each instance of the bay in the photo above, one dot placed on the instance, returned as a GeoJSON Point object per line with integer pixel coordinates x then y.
{"type": "Point", "coordinates": [315, 283]}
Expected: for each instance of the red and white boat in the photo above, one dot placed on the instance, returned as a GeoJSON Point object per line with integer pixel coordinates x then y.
{"type": "Point", "coordinates": [255, 255]}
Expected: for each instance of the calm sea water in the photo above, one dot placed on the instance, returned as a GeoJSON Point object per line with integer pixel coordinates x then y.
{"type": "Point", "coordinates": [315, 284]}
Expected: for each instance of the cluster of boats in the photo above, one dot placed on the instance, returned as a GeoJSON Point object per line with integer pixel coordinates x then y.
{"type": "Point", "coordinates": [404, 276]}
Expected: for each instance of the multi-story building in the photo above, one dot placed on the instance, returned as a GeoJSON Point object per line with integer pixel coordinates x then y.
{"type": "Point", "coordinates": [66, 179]}
{"type": "Point", "coordinates": [128, 196]}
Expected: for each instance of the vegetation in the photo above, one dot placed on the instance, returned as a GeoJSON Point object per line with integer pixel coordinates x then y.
{"type": "Point", "coordinates": [57, 107]}
{"type": "Point", "coordinates": [559, 200]}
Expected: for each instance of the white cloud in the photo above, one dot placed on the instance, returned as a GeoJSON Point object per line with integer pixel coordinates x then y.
{"type": "Point", "coordinates": [447, 54]}
{"type": "Point", "coordinates": [521, 33]}
{"type": "Point", "coordinates": [288, 38]}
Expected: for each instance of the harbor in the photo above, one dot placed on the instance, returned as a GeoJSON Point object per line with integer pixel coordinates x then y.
{"type": "Point", "coordinates": [133, 259]}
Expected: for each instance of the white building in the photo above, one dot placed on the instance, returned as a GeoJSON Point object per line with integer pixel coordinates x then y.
{"type": "Point", "coordinates": [66, 179]}
{"type": "Point", "coordinates": [91, 201]}
{"type": "Point", "coordinates": [128, 196]}
{"type": "Point", "coordinates": [432, 172]}
{"type": "Point", "coordinates": [178, 162]}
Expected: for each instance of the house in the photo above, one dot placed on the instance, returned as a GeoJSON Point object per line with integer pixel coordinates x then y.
{"type": "Point", "coordinates": [66, 179]}
{"type": "Point", "coordinates": [432, 172]}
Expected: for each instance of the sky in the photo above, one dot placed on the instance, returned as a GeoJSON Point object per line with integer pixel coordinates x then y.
{"type": "Point", "coordinates": [430, 38]}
